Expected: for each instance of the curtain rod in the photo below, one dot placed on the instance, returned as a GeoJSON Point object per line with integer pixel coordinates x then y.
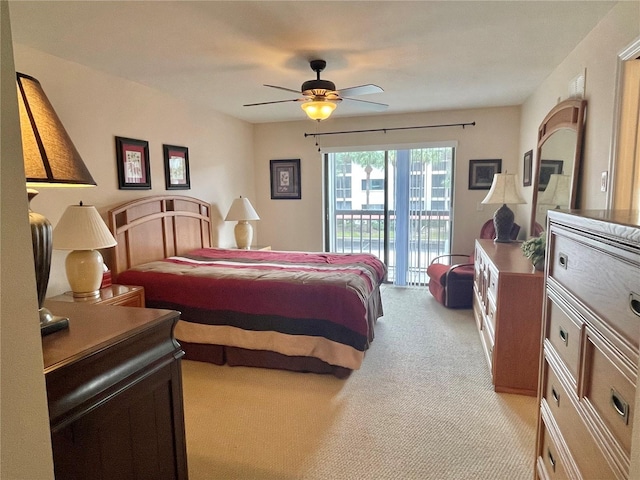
{"type": "Point", "coordinates": [385, 130]}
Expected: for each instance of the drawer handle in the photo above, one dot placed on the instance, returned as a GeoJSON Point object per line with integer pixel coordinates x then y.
{"type": "Point", "coordinates": [620, 405]}
{"type": "Point", "coordinates": [634, 303]}
{"type": "Point", "coordinates": [552, 460]}
{"type": "Point", "coordinates": [563, 260]}
{"type": "Point", "coordinates": [564, 336]}
{"type": "Point", "coordinates": [555, 395]}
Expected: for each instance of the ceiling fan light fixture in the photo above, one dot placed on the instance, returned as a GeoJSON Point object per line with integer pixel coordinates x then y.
{"type": "Point", "coordinates": [318, 109]}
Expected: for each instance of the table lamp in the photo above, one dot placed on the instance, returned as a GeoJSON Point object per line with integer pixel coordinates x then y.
{"type": "Point", "coordinates": [242, 211]}
{"type": "Point", "coordinates": [503, 190]}
{"type": "Point", "coordinates": [557, 191]}
{"type": "Point", "coordinates": [50, 160]}
{"type": "Point", "coordinates": [82, 230]}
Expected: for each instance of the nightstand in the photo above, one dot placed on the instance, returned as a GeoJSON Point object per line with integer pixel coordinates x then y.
{"type": "Point", "coordinates": [123, 295]}
{"type": "Point", "coordinates": [253, 247]}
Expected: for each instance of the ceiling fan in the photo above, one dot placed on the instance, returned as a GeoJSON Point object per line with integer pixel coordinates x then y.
{"type": "Point", "coordinates": [320, 97]}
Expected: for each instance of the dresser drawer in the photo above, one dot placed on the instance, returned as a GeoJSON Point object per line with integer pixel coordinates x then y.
{"type": "Point", "coordinates": [610, 389]}
{"type": "Point", "coordinates": [477, 310]}
{"type": "Point", "coordinates": [565, 336]}
{"type": "Point", "coordinates": [550, 458]}
{"type": "Point", "coordinates": [491, 313]}
{"type": "Point", "coordinates": [492, 285]}
{"type": "Point", "coordinates": [479, 258]}
{"type": "Point", "coordinates": [488, 340]}
{"type": "Point", "coordinates": [580, 442]}
{"type": "Point", "coordinates": [605, 283]}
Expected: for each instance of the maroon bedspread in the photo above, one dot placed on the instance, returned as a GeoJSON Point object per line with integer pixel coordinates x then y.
{"type": "Point", "coordinates": [294, 303]}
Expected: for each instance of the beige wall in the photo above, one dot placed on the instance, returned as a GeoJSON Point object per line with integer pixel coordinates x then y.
{"type": "Point", "coordinates": [95, 108]}
{"type": "Point", "coordinates": [298, 224]}
{"type": "Point", "coordinates": [25, 445]}
{"type": "Point", "coordinates": [598, 54]}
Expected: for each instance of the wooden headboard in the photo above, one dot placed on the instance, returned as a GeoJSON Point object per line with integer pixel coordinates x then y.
{"type": "Point", "coordinates": [153, 228]}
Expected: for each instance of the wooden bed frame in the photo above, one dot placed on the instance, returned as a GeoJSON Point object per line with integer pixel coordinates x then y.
{"type": "Point", "coordinates": [157, 227]}
{"type": "Point", "coordinates": [147, 229]}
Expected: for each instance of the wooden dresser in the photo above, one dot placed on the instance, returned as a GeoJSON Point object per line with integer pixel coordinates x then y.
{"type": "Point", "coordinates": [507, 306]}
{"type": "Point", "coordinates": [114, 390]}
{"type": "Point", "coordinates": [591, 335]}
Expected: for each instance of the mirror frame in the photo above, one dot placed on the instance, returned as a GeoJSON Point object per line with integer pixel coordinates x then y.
{"type": "Point", "coordinates": [566, 115]}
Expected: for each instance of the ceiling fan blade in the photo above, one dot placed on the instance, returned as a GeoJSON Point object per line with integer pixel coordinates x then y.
{"type": "Point", "coordinates": [277, 101]}
{"type": "Point", "coordinates": [361, 90]}
{"type": "Point", "coordinates": [371, 105]}
{"type": "Point", "coordinates": [283, 88]}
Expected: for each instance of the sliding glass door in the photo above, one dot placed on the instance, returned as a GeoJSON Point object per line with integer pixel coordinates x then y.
{"type": "Point", "coordinates": [393, 203]}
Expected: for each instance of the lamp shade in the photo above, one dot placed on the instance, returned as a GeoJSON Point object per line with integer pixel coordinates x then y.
{"type": "Point", "coordinates": [318, 109]}
{"type": "Point", "coordinates": [557, 191]}
{"type": "Point", "coordinates": [503, 190]}
{"type": "Point", "coordinates": [50, 157]}
{"type": "Point", "coordinates": [241, 209]}
{"type": "Point", "coordinates": [81, 228]}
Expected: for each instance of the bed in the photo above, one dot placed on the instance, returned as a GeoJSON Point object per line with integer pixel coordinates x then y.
{"type": "Point", "coordinates": [300, 311]}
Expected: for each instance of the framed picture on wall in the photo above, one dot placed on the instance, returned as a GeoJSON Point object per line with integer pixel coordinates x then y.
{"type": "Point", "coordinates": [481, 173]}
{"type": "Point", "coordinates": [528, 166]}
{"type": "Point", "coordinates": [132, 157]}
{"type": "Point", "coordinates": [548, 168]}
{"type": "Point", "coordinates": [176, 167]}
{"type": "Point", "coordinates": [285, 179]}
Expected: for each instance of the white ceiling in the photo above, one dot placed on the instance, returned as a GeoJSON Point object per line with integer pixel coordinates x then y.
{"type": "Point", "coordinates": [426, 55]}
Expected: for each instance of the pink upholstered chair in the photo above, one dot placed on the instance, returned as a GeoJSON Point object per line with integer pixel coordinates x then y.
{"type": "Point", "coordinates": [451, 283]}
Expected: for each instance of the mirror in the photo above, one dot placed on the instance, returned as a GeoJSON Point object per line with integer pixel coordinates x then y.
{"type": "Point", "coordinates": [557, 163]}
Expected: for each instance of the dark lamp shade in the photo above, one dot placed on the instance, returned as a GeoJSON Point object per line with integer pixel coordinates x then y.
{"type": "Point", "coordinates": [50, 158]}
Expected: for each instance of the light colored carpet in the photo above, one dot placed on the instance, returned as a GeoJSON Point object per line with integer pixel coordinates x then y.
{"type": "Point", "coordinates": [421, 407]}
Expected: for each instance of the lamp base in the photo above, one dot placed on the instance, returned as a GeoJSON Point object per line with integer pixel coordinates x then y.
{"type": "Point", "coordinates": [503, 223]}
{"type": "Point", "coordinates": [244, 234]}
{"type": "Point", "coordinates": [50, 323]}
{"type": "Point", "coordinates": [42, 246]}
{"type": "Point", "coordinates": [84, 272]}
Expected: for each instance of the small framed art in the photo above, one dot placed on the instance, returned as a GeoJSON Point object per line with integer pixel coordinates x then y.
{"type": "Point", "coordinates": [528, 166]}
{"type": "Point", "coordinates": [132, 157]}
{"type": "Point", "coordinates": [285, 179]}
{"type": "Point", "coordinates": [176, 167]}
{"type": "Point", "coordinates": [548, 168]}
{"type": "Point", "coordinates": [481, 173]}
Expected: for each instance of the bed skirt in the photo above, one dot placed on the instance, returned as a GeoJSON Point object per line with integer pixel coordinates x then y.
{"type": "Point", "coordinates": [242, 357]}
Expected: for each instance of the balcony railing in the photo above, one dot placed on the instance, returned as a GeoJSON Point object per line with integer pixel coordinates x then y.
{"type": "Point", "coordinates": [363, 231]}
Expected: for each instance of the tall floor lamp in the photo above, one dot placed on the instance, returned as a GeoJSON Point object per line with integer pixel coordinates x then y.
{"type": "Point", "coordinates": [50, 160]}
{"type": "Point", "coordinates": [503, 190]}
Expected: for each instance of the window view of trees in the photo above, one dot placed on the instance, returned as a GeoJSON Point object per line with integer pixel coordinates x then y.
{"type": "Point", "coordinates": [379, 199]}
